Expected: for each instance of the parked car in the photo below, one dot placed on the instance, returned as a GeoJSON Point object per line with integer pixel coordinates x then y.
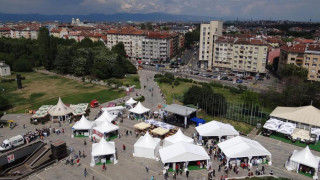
{"type": "Point", "coordinates": [239, 81]}
{"type": "Point", "coordinates": [224, 78]}
{"type": "Point", "coordinates": [249, 77]}
{"type": "Point", "coordinates": [230, 79]}
{"type": "Point", "coordinates": [239, 75]}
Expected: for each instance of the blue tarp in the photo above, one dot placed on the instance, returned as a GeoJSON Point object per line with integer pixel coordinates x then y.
{"type": "Point", "coordinates": [198, 120]}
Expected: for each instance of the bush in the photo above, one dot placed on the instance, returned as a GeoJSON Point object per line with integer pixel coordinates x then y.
{"type": "Point", "coordinates": [235, 90]}
{"type": "Point", "coordinates": [165, 80]}
{"type": "Point", "coordinates": [158, 76]}
{"type": "Point", "coordinates": [169, 75]}
{"type": "Point", "coordinates": [22, 65]}
{"type": "Point", "coordinates": [176, 83]}
{"type": "Point", "coordinates": [141, 99]}
{"type": "Point", "coordinates": [7, 80]}
{"type": "Point", "coordinates": [4, 103]}
{"type": "Point", "coordinates": [136, 79]}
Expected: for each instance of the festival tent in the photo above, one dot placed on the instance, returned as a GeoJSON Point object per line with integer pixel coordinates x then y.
{"type": "Point", "coordinates": [103, 148]}
{"type": "Point", "coordinates": [286, 128]}
{"type": "Point", "coordinates": [147, 146]}
{"type": "Point", "coordinates": [139, 109]}
{"type": "Point", "coordinates": [130, 102]}
{"type": "Point", "coordinates": [104, 128]}
{"type": "Point", "coordinates": [183, 152]}
{"type": "Point", "coordinates": [82, 125]}
{"type": "Point", "coordinates": [239, 147]}
{"type": "Point", "coordinates": [304, 157]}
{"type": "Point", "coordinates": [105, 116]}
{"type": "Point", "coordinates": [215, 128]}
{"type": "Point", "coordinates": [115, 110]}
{"type": "Point", "coordinates": [60, 111]}
{"type": "Point", "coordinates": [177, 137]}
{"type": "Point", "coordinates": [273, 124]}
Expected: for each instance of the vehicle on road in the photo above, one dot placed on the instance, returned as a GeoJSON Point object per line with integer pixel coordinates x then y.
{"type": "Point", "coordinates": [224, 78]}
{"type": "Point", "coordinates": [12, 142]}
{"type": "Point", "coordinates": [249, 77]}
{"type": "Point", "coordinates": [239, 81]}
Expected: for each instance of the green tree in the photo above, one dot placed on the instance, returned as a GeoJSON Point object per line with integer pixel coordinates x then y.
{"type": "Point", "coordinates": [250, 97]}
{"type": "Point", "coordinates": [86, 43]}
{"type": "Point", "coordinates": [44, 47]}
{"type": "Point", "coordinates": [23, 64]}
{"type": "Point", "coordinates": [149, 26]}
{"type": "Point", "coordinates": [142, 26]}
{"type": "Point", "coordinates": [293, 70]}
{"type": "Point", "coordinates": [191, 37]}
{"type": "Point", "coordinates": [119, 49]}
{"type": "Point", "coordinates": [63, 61]}
{"type": "Point", "coordinates": [4, 103]}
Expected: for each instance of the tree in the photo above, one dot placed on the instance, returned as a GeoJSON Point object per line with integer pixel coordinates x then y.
{"type": "Point", "coordinates": [4, 103]}
{"type": "Point", "coordinates": [250, 97]}
{"type": "Point", "coordinates": [191, 37]}
{"type": "Point", "coordinates": [63, 61]}
{"type": "Point", "coordinates": [142, 26]}
{"type": "Point", "coordinates": [23, 64]}
{"type": "Point", "coordinates": [165, 28]}
{"type": "Point", "coordinates": [293, 70]}
{"type": "Point", "coordinates": [86, 43]}
{"type": "Point", "coordinates": [44, 47]}
{"type": "Point", "coordinates": [149, 26]}
{"type": "Point", "coordinates": [119, 49]}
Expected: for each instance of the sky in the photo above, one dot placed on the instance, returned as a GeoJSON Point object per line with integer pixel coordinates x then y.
{"type": "Point", "coordinates": [300, 10]}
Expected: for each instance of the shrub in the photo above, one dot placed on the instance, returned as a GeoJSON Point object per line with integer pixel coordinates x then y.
{"type": "Point", "coordinates": [158, 76]}
{"type": "Point", "coordinates": [141, 99]}
{"type": "Point", "coordinates": [165, 80]}
{"type": "Point", "coordinates": [176, 83]}
{"type": "Point", "coordinates": [136, 79]}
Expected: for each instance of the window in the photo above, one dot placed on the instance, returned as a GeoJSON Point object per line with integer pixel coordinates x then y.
{"type": "Point", "coordinates": [306, 64]}
{"type": "Point", "coordinates": [313, 71]}
{"type": "Point", "coordinates": [314, 65]}
{"type": "Point", "coordinates": [315, 59]}
{"type": "Point", "coordinates": [307, 58]}
{"type": "Point", "coordinates": [292, 59]}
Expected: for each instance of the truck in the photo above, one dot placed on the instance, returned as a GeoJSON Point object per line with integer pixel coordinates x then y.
{"type": "Point", "coordinates": [12, 142]}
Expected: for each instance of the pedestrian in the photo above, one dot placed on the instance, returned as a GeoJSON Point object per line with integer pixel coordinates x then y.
{"type": "Point", "coordinates": [62, 131]}
{"type": "Point", "coordinates": [104, 167]}
{"type": "Point", "coordinates": [174, 175]}
{"type": "Point", "coordinates": [79, 153]}
{"type": "Point", "coordinates": [130, 133]}
{"type": "Point", "coordinates": [152, 178]}
{"type": "Point", "coordinates": [92, 177]}
{"type": "Point", "coordinates": [91, 139]}
{"type": "Point", "coordinates": [219, 168]}
{"type": "Point", "coordinates": [59, 124]}
{"type": "Point", "coordinates": [187, 173]}
{"type": "Point", "coordinates": [24, 126]}
{"type": "Point", "coordinates": [214, 173]}
{"type": "Point", "coordinates": [85, 172]}
{"type": "Point", "coordinates": [78, 162]}
{"type": "Point", "coordinates": [124, 147]}
{"type": "Point", "coordinates": [85, 142]}
{"type": "Point", "coordinates": [147, 169]}
{"type": "Point", "coordinates": [83, 155]}
{"type": "Point", "coordinates": [262, 169]}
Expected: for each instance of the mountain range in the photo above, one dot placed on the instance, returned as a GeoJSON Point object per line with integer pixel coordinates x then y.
{"type": "Point", "coordinates": [118, 17]}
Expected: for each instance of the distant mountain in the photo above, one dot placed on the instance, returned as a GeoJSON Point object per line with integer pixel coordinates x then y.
{"type": "Point", "coordinates": [119, 17]}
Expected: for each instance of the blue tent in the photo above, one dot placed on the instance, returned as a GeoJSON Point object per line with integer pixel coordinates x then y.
{"type": "Point", "coordinates": [198, 120]}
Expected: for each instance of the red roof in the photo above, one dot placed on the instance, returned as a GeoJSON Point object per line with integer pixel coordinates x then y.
{"type": "Point", "coordinates": [313, 47]}
{"type": "Point", "coordinates": [298, 48]}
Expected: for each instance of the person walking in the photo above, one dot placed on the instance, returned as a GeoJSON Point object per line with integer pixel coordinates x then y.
{"type": "Point", "coordinates": [79, 154]}
{"type": "Point", "coordinates": [174, 175]}
{"type": "Point", "coordinates": [85, 142]}
{"type": "Point", "coordinates": [92, 177]}
{"type": "Point", "coordinates": [152, 178]}
{"type": "Point", "coordinates": [147, 169]}
{"type": "Point", "coordinates": [104, 168]}
{"type": "Point", "coordinates": [85, 172]}
{"type": "Point", "coordinates": [124, 147]}
{"type": "Point", "coordinates": [83, 155]}
{"type": "Point", "coordinates": [187, 173]}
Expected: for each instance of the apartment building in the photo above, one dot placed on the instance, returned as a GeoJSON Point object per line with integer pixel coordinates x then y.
{"type": "Point", "coordinates": [248, 56]}
{"type": "Point", "coordinates": [158, 46]}
{"type": "Point", "coordinates": [5, 32]}
{"type": "Point", "coordinates": [28, 32]}
{"type": "Point", "coordinates": [131, 39]}
{"type": "Point", "coordinates": [208, 35]}
{"type": "Point", "coordinates": [302, 55]}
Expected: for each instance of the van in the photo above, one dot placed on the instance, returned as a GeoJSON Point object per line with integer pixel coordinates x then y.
{"type": "Point", "coordinates": [8, 144]}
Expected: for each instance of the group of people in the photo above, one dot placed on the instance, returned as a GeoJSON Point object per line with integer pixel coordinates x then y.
{"type": "Point", "coordinates": [37, 134]}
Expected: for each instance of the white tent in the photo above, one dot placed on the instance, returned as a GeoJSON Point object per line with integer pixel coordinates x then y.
{"type": "Point", "coordinates": [105, 116]}
{"type": "Point", "coordinates": [60, 111]}
{"type": "Point", "coordinates": [82, 124]}
{"type": "Point", "coordinates": [183, 152]}
{"type": "Point", "coordinates": [239, 147]}
{"type": "Point", "coordinates": [287, 128]}
{"type": "Point", "coordinates": [215, 128]}
{"type": "Point", "coordinates": [130, 102]}
{"type": "Point", "coordinates": [272, 124]}
{"type": "Point", "coordinates": [304, 157]}
{"type": "Point", "coordinates": [177, 137]}
{"type": "Point", "coordinates": [104, 128]}
{"type": "Point", "coordinates": [147, 146]}
{"type": "Point", "coordinates": [115, 110]}
{"type": "Point", "coordinates": [102, 148]}
{"type": "Point", "coordinates": [139, 109]}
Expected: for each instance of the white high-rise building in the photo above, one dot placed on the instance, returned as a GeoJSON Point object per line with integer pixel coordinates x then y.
{"type": "Point", "coordinates": [208, 34]}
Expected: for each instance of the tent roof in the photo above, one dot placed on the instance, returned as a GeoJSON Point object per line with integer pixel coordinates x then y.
{"type": "Point", "coordinates": [181, 152]}
{"type": "Point", "coordinates": [142, 126]}
{"type": "Point", "coordinates": [179, 137]}
{"type": "Point", "coordinates": [60, 109]}
{"type": "Point", "coordinates": [139, 109]}
{"type": "Point", "coordinates": [238, 147]}
{"type": "Point", "coordinates": [106, 116]}
{"type": "Point", "coordinates": [305, 157]}
{"type": "Point", "coordinates": [113, 108]}
{"type": "Point", "coordinates": [180, 110]}
{"type": "Point", "coordinates": [83, 124]}
{"type": "Point", "coordinates": [160, 131]}
{"type": "Point", "coordinates": [147, 141]}
{"type": "Point", "coordinates": [103, 148]}
{"type": "Point", "coordinates": [303, 114]}
{"type": "Point", "coordinates": [215, 128]}
{"type": "Point", "coordinates": [131, 101]}
{"type": "Point", "coordinates": [106, 127]}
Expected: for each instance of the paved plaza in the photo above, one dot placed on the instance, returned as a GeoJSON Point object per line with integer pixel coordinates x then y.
{"type": "Point", "coordinates": [129, 167]}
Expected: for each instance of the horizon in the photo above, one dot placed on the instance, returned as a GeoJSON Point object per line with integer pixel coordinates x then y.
{"type": "Point", "coordinates": [292, 10]}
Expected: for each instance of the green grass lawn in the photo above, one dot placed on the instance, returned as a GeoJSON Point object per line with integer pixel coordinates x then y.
{"type": "Point", "coordinates": [42, 89]}
{"type": "Point", "coordinates": [175, 92]}
{"type": "Point", "coordinates": [280, 137]}
{"type": "Point", "coordinates": [130, 80]}
{"type": "Point", "coordinates": [239, 126]}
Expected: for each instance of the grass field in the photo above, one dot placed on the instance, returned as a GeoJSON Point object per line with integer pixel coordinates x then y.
{"type": "Point", "coordinates": [239, 126]}
{"type": "Point", "coordinates": [130, 80]}
{"type": "Point", "coordinates": [42, 89]}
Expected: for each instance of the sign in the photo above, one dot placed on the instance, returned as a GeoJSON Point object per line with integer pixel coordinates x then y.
{"type": "Point", "coordinates": [103, 160]}
{"type": "Point", "coordinates": [10, 158]}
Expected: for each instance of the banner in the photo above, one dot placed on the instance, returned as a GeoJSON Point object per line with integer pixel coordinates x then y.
{"type": "Point", "coordinates": [10, 158]}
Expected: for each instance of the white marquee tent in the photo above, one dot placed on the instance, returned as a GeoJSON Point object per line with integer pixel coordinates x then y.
{"type": "Point", "coordinates": [60, 111]}
{"type": "Point", "coordinates": [183, 152]}
{"type": "Point", "coordinates": [215, 128]}
{"type": "Point", "coordinates": [102, 148]}
{"type": "Point", "coordinates": [83, 125]}
{"type": "Point", "coordinates": [105, 116]}
{"type": "Point", "coordinates": [273, 124]}
{"type": "Point", "coordinates": [115, 110]}
{"type": "Point", "coordinates": [104, 128]}
{"type": "Point", "coordinates": [147, 147]}
{"type": "Point", "coordinates": [239, 147]}
{"type": "Point", "coordinates": [139, 109]}
{"type": "Point", "coordinates": [177, 137]}
{"type": "Point", "coordinates": [304, 157]}
{"type": "Point", "coordinates": [286, 128]}
{"type": "Point", "coordinates": [130, 102]}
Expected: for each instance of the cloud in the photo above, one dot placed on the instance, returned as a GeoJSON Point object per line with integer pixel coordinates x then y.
{"type": "Point", "coordinates": [256, 9]}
